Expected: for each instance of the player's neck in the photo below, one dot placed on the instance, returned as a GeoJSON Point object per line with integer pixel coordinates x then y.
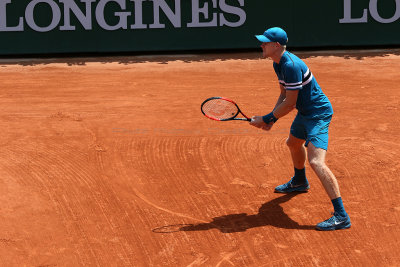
{"type": "Point", "coordinates": [278, 55]}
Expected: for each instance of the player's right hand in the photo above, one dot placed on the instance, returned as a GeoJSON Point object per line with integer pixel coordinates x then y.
{"type": "Point", "coordinates": [257, 121]}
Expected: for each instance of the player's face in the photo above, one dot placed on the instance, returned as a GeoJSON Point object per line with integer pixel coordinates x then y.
{"type": "Point", "coordinates": [268, 49]}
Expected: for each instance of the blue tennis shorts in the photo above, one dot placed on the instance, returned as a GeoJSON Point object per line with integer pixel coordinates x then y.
{"type": "Point", "coordinates": [314, 130]}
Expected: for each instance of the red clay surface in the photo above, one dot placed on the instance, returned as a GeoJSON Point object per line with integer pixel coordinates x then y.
{"type": "Point", "coordinates": [109, 162]}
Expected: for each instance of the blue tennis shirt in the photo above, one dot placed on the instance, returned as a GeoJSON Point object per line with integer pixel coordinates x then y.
{"type": "Point", "coordinates": [294, 74]}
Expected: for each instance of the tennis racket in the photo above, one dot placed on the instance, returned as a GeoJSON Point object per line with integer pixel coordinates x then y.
{"type": "Point", "coordinates": [222, 109]}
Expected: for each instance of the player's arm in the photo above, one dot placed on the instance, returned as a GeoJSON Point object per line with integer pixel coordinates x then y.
{"type": "Point", "coordinates": [287, 105]}
{"type": "Point", "coordinates": [281, 97]}
{"type": "Point", "coordinates": [292, 84]}
{"type": "Point", "coordinates": [258, 122]}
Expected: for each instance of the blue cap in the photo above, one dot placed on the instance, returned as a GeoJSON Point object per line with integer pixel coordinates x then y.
{"type": "Point", "coordinates": [275, 34]}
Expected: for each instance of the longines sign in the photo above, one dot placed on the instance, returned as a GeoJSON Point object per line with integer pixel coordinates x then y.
{"type": "Point", "coordinates": [130, 14]}
{"type": "Point", "coordinates": [209, 13]}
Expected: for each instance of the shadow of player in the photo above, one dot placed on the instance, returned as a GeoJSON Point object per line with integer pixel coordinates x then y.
{"type": "Point", "coordinates": [270, 213]}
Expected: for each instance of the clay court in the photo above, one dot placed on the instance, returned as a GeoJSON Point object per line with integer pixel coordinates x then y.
{"type": "Point", "coordinates": [109, 162]}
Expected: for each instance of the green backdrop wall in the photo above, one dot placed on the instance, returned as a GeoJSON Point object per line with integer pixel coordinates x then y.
{"type": "Point", "coordinates": [79, 26]}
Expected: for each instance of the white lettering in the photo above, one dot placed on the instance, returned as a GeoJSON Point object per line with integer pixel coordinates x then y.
{"type": "Point", "coordinates": [205, 13]}
{"type": "Point", "coordinates": [232, 10]}
{"type": "Point", "coordinates": [3, 19]}
{"type": "Point", "coordinates": [373, 9]}
{"type": "Point", "coordinates": [84, 19]}
{"type": "Point", "coordinates": [174, 18]}
{"type": "Point", "coordinates": [30, 20]}
{"type": "Point", "coordinates": [138, 15]}
{"type": "Point", "coordinates": [122, 23]}
{"type": "Point", "coordinates": [347, 14]}
{"type": "Point", "coordinates": [197, 10]}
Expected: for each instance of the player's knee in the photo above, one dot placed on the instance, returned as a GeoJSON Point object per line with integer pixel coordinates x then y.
{"type": "Point", "coordinates": [293, 144]}
{"type": "Point", "coordinates": [289, 143]}
{"type": "Point", "coordinates": [316, 163]}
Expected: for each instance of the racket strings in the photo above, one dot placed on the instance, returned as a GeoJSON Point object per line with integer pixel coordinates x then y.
{"type": "Point", "coordinates": [220, 109]}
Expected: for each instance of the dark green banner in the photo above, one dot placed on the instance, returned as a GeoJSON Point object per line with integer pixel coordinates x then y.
{"type": "Point", "coordinates": [79, 26]}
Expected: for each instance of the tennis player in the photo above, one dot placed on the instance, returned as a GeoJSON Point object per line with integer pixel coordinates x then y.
{"type": "Point", "coordinates": [300, 90]}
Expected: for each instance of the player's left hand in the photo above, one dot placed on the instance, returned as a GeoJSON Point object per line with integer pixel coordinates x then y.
{"type": "Point", "coordinates": [257, 121]}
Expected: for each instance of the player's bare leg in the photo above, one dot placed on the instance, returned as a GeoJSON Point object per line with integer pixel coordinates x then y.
{"type": "Point", "coordinates": [298, 183]}
{"type": "Point", "coordinates": [340, 219]}
{"type": "Point", "coordinates": [297, 151]}
{"type": "Point", "coordinates": [316, 158]}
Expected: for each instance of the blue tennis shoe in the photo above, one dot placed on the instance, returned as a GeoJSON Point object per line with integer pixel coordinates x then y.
{"type": "Point", "coordinates": [290, 187]}
{"type": "Point", "coordinates": [336, 222]}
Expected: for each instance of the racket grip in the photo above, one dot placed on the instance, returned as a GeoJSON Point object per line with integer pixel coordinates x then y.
{"type": "Point", "coordinates": [241, 119]}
